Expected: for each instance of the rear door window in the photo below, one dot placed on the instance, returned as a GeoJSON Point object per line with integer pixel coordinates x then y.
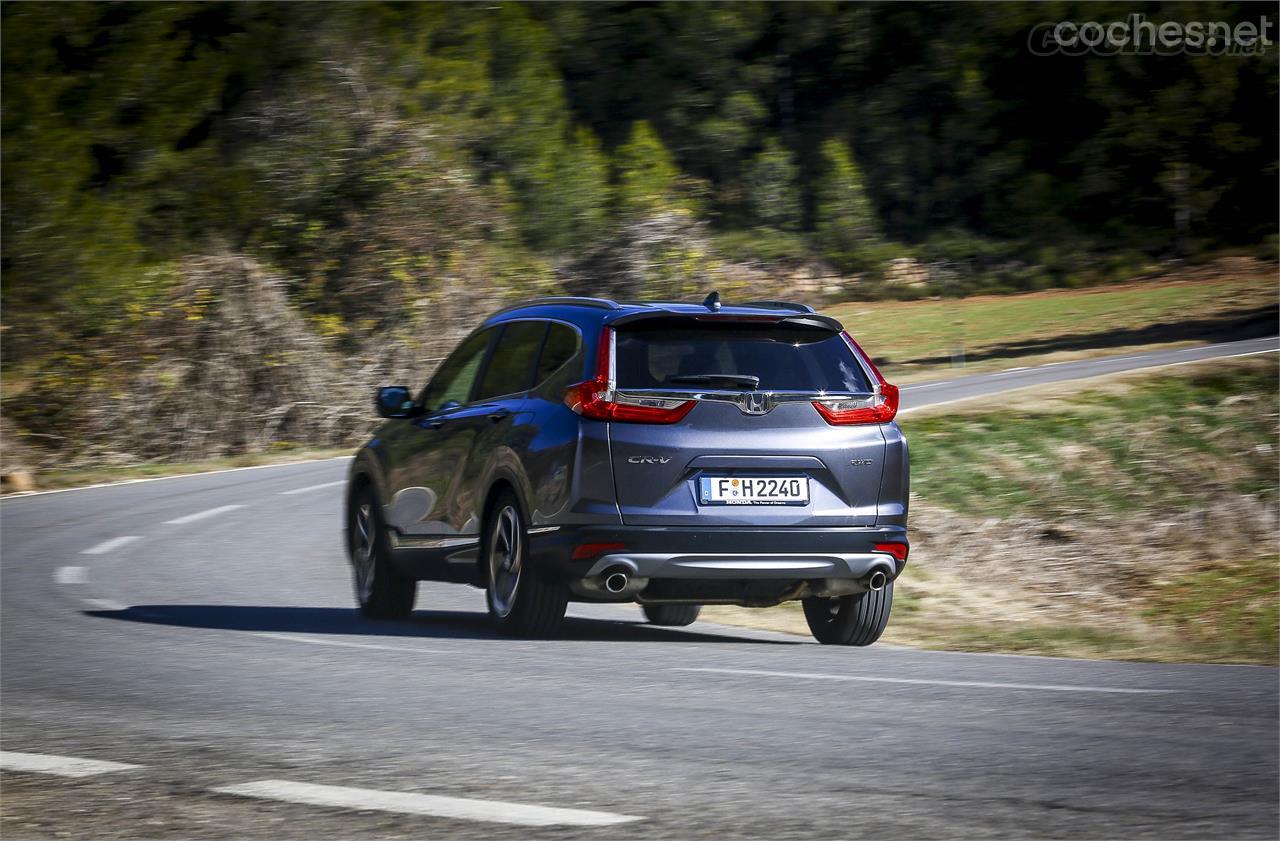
{"type": "Point", "coordinates": [510, 369]}
{"type": "Point", "coordinates": [682, 354]}
{"type": "Point", "coordinates": [560, 347]}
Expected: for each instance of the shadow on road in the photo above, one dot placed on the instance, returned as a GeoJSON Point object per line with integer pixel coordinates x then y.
{"type": "Point", "coordinates": [437, 624]}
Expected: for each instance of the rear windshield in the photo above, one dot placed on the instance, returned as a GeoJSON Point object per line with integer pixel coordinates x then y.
{"type": "Point", "coordinates": [666, 354]}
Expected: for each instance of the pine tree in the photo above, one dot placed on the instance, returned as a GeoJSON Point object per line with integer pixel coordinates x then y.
{"type": "Point", "coordinates": [848, 230]}
{"type": "Point", "coordinates": [647, 177]}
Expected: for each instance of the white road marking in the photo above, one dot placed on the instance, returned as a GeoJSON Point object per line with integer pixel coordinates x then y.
{"type": "Point", "coordinates": [104, 604]}
{"type": "Point", "coordinates": [458, 808]}
{"type": "Point", "coordinates": [71, 575]}
{"type": "Point", "coordinates": [313, 488]}
{"type": "Point", "coordinates": [63, 766]}
{"type": "Point", "coordinates": [346, 644]}
{"type": "Point", "coordinates": [25, 494]}
{"type": "Point", "coordinates": [201, 515]}
{"type": "Point", "coordinates": [110, 545]}
{"type": "Point", "coordinates": [979, 684]}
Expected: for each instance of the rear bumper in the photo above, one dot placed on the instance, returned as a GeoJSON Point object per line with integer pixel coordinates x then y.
{"type": "Point", "coordinates": [779, 554]}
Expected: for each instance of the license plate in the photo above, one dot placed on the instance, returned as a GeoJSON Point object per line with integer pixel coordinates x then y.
{"type": "Point", "coordinates": [753, 490]}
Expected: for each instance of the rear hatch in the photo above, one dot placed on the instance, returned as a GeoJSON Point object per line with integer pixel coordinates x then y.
{"type": "Point", "coordinates": [736, 437]}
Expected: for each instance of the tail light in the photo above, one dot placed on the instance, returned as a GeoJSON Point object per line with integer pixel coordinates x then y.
{"type": "Point", "coordinates": [898, 550]}
{"type": "Point", "coordinates": [598, 399]}
{"type": "Point", "coordinates": [880, 407]}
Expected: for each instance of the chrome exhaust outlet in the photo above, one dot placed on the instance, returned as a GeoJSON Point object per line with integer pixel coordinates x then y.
{"type": "Point", "coordinates": [877, 580]}
{"type": "Point", "coordinates": [616, 582]}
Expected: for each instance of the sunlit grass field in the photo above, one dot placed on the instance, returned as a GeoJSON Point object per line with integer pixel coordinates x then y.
{"type": "Point", "coordinates": [921, 340]}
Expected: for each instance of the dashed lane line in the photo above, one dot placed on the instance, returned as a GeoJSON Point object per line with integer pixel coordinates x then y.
{"type": "Point", "coordinates": [405, 803]}
{"type": "Point", "coordinates": [110, 545]}
{"type": "Point", "coordinates": [201, 515]}
{"type": "Point", "coordinates": [342, 797]}
{"type": "Point", "coordinates": [976, 684]}
{"type": "Point", "coordinates": [104, 604]}
{"type": "Point", "coordinates": [71, 575]}
{"type": "Point", "coordinates": [63, 766]}
{"type": "Point", "coordinates": [313, 487]}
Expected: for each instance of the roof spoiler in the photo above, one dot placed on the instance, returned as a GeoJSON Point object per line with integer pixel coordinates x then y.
{"type": "Point", "coordinates": [795, 319]}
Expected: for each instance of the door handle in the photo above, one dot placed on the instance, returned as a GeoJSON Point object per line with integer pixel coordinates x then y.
{"type": "Point", "coordinates": [499, 414]}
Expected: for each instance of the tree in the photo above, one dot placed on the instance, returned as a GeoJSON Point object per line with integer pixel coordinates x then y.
{"type": "Point", "coordinates": [647, 177]}
{"type": "Point", "coordinates": [773, 195]}
{"type": "Point", "coordinates": [568, 197]}
{"type": "Point", "coordinates": [848, 230]}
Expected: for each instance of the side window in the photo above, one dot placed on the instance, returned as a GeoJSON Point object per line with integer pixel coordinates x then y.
{"type": "Point", "coordinates": [511, 367]}
{"type": "Point", "coordinates": [560, 347]}
{"type": "Point", "coordinates": [453, 379]}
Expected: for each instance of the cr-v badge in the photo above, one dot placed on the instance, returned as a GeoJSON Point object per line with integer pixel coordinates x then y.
{"type": "Point", "coordinates": [648, 460]}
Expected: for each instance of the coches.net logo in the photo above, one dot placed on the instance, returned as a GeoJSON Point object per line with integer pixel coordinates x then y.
{"type": "Point", "coordinates": [1135, 35]}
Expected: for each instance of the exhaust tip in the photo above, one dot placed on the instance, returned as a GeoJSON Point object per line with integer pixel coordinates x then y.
{"type": "Point", "coordinates": [616, 582]}
{"type": "Point", "coordinates": [877, 581]}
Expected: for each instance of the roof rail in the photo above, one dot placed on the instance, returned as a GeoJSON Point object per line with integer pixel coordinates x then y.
{"type": "Point", "coordinates": [572, 300]}
{"type": "Point", "coordinates": [777, 305]}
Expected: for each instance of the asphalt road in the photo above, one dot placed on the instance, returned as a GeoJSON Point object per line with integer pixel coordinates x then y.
{"type": "Point", "coordinates": [199, 632]}
{"type": "Point", "coordinates": [977, 385]}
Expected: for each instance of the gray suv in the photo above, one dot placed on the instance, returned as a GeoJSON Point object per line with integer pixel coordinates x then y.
{"type": "Point", "coordinates": [669, 454]}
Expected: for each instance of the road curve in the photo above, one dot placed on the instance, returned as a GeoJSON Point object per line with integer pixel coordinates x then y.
{"type": "Point", "coordinates": [179, 658]}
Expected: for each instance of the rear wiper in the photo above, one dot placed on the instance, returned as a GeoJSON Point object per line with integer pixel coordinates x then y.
{"type": "Point", "coordinates": [743, 380]}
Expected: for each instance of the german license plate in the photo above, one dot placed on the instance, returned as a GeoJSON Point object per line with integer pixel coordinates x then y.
{"type": "Point", "coordinates": [753, 490]}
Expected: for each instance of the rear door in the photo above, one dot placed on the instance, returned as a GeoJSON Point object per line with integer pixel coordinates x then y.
{"type": "Point", "coordinates": [470, 436]}
{"type": "Point", "coordinates": [753, 449]}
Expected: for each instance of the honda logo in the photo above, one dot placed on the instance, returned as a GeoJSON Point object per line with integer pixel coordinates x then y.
{"type": "Point", "coordinates": [755, 403]}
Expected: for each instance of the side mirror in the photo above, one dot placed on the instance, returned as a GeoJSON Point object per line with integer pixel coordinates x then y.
{"type": "Point", "coordinates": [394, 401]}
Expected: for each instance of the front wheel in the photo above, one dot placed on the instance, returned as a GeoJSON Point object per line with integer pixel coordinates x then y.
{"type": "Point", "coordinates": [671, 615]}
{"type": "Point", "coordinates": [382, 591]}
{"type": "Point", "coordinates": [849, 620]}
{"type": "Point", "coordinates": [521, 602]}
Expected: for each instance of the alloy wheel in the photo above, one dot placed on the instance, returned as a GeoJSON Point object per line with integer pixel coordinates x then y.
{"type": "Point", "coordinates": [363, 551]}
{"type": "Point", "coordinates": [505, 561]}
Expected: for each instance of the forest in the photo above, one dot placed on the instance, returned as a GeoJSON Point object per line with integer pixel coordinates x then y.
{"type": "Point", "coordinates": [223, 223]}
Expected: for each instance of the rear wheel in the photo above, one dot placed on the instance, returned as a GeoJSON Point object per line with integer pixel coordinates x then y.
{"type": "Point", "coordinates": [382, 591]}
{"type": "Point", "coordinates": [521, 601]}
{"type": "Point", "coordinates": [849, 620]}
{"type": "Point", "coordinates": [674, 615]}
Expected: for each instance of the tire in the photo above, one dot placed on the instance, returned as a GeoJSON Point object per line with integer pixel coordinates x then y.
{"type": "Point", "coordinates": [849, 620]}
{"type": "Point", "coordinates": [381, 590]}
{"type": "Point", "coordinates": [522, 602]}
{"type": "Point", "coordinates": [672, 615]}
